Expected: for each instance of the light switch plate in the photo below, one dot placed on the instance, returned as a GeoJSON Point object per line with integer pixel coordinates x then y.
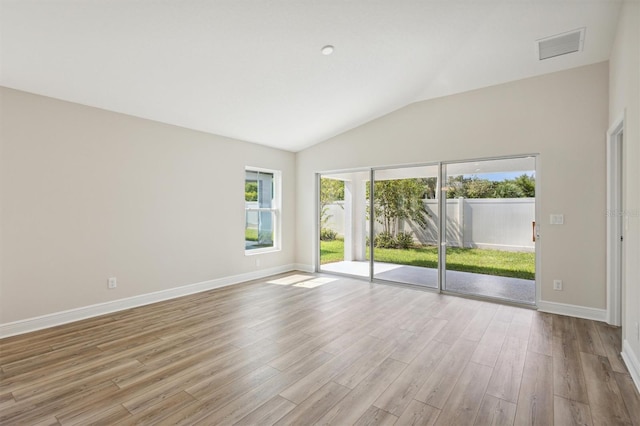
{"type": "Point", "coordinates": [556, 219]}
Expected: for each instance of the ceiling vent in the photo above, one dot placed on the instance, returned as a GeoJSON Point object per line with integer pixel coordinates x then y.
{"type": "Point", "coordinates": [561, 44]}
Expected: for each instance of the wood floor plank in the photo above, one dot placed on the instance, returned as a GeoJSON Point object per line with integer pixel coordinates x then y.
{"type": "Point", "coordinates": [507, 374]}
{"type": "Point", "coordinates": [115, 415]}
{"type": "Point", "coordinates": [376, 417]}
{"type": "Point", "coordinates": [519, 330]}
{"type": "Point", "coordinates": [316, 405]}
{"type": "Point", "coordinates": [52, 389]}
{"type": "Point", "coordinates": [143, 395]}
{"type": "Point", "coordinates": [540, 339]}
{"type": "Point", "coordinates": [159, 412]}
{"type": "Point", "coordinates": [254, 398]}
{"type": "Point", "coordinates": [31, 411]}
{"type": "Point", "coordinates": [630, 395]}
{"type": "Point", "coordinates": [505, 313]}
{"type": "Point", "coordinates": [535, 400]}
{"type": "Point", "coordinates": [159, 386]}
{"type": "Point", "coordinates": [466, 397]}
{"type": "Point", "coordinates": [456, 326]}
{"type": "Point", "coordinates": [361, 368]}
{"type": "Point", "coordinates": [418, 413]}
{"type": "Point", "coordinates": [215, 397]}
{"type": "Point", "coordinates": [588, 337]}
{"type": "Point", "coordinates": [490, 345]}
{"type": "Point", "coordinates": [495, 412]}
{"type": "Point", "coordinates": [350, 408]}
{"type": "Point", "coordinates": [301, 389]}
{"type": "Point", "coordinates": [439, 385]}
{"type": "Point", "coordinates": [268, 413]}
{"type": "Point", "coordinates": [414, 319]}
{"type": "Point", "coordinates": [568, 377]}
{"type": "Point", "coordinates": [605, 399]}
{"type": "Point", "coordinates": [97, 400]}
{"type": "Point", "coordinates": [180, 361]}
{"type": "Point", "coordinates": [479, 323]}
{"type": "Point", "coordinates": [408, 349]}
{"type": "Point", "coordinates": [567, 412]}
{"type": "Point", "coordinates": [397, 397]}
{"type": "Point", "coordinates": [51, 421]}
{"type": "Point", "coordinates": [6, 401]}
{"type": "Point", "coordinates": [303, 345]}
{"type": "Point", "coordinates": [612, 341]}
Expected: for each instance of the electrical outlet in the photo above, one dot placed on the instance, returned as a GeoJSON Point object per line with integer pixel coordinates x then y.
{"type": "Point", "coordinates": [112, 282]}
{"type": "Point", "coordinates": [557, 285]}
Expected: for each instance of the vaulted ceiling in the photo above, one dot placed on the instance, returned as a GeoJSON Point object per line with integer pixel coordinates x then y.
{"type": "Point", "coordinates": [253, 70]}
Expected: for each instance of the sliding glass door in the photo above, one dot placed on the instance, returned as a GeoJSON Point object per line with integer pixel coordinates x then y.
{"type": "Point", "coordinates": [490, 219]}
{"type": "Point", "coordinates": [460, 227]}
{"type": "Point", "coordinates": [405, 225]}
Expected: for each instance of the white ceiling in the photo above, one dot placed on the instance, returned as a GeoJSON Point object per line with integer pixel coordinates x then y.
{"type": "Point", "coordinates": [253, 70]}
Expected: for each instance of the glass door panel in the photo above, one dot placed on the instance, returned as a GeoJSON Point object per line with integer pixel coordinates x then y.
{"type": "Point", "coordinates": [490, 222]}
{"type": "Point", "coordinates": [405, 225]}
{"type": "Point", "coordinates": [343, 225]}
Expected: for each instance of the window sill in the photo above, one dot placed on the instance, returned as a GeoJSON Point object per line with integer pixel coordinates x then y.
{"type": "Point", "coordinates": [261, 251]}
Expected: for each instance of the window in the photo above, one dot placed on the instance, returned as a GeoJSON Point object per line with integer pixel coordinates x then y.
{"type": "Point", "coordinates": [262, 210]}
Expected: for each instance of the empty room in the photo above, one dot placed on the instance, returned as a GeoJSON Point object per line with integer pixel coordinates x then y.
{"type": "Point", "coordinates": [356, 212]}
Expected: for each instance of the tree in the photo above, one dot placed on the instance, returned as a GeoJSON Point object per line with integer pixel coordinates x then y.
{"type": "Point", "coordinates": [456, 187]}
{"type": "Point", "coordinates": [251, 191]}
{"type": "Point", "coordinates": [508, 189]}
{"type": "Point", "coordinates": [399, 199]}
{"type": "Point", "coordinates": [474, 187]}
{"type": "Point", "coordinates": [527, 184]}
{"type": "Point", "coordinates": [480, 188]}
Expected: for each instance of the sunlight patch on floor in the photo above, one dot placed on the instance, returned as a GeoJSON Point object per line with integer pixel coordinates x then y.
{"type": "Point", "coordinates": [316, 282]}
{"type": "Point", "coordinates": [291, 279]}
{"type": "Point", "coordinates": [305, 281]}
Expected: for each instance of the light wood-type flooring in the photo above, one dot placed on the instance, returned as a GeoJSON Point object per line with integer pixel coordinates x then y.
{"type": "Point", "coordinates": [304, 349]}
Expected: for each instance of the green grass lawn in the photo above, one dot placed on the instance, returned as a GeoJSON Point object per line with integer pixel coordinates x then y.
{"type": "Point", "coordinates": [331, 251]}
{"type": "Point", "coordinates": [250, 234]}
{"type": "Point", "coordinates": [480, 261]}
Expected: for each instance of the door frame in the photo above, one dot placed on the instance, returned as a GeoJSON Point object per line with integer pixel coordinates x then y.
{"type": "Point", "coordinates": [615, 221]}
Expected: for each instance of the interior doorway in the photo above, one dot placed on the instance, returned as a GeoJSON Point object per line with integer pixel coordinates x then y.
{"type": "Point", "coordinates": [615, 222]}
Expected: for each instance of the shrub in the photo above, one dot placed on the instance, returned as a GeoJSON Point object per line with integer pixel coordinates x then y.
{"type": "Point", "coordinates": [385, 240]}
{"type": "Point", "coordinates": [328, 234]}
{"type": "Point", "coordinates": [404, 240]}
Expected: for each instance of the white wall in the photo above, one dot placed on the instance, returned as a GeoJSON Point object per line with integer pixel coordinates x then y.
{"type": "Point", "coordinates": [562, 116]}
{"type": "Point", "coordinates": [625, 96]}
{"type": "Point", "coordinates": [89, 194]}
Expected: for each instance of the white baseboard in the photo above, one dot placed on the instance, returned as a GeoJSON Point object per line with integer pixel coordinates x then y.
{"type": "Point", "coordinates": [64, 317]}
{"type": "Point", "coordinates": [573, 310]}
{"type": "Point", "coordinates": [631, 360]}
{"type": "Point", "coordinates": [304, 268]}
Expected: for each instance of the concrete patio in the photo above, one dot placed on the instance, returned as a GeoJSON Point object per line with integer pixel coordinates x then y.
{"type": "Point", "coordinates": [512, 289]}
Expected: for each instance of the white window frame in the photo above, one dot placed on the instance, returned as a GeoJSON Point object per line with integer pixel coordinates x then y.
{"type": "Point", "coordinates": [275, 210]}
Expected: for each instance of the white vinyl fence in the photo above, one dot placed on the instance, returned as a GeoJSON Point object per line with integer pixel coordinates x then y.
{"type": "Point", "coordinates": [497, 223]}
